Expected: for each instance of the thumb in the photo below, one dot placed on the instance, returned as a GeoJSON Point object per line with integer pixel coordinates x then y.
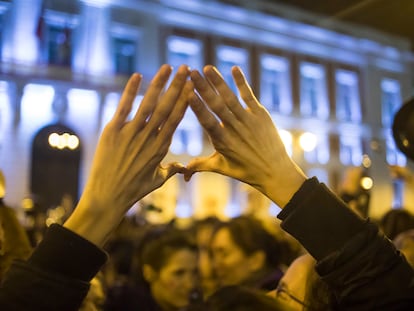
{"type": "Point", "coordinates": [201, 164]}
{"type": "Point", "coordinates": [173, 168]}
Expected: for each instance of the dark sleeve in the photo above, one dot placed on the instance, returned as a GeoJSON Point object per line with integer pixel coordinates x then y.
{"type": "Point", "coordinates": [359, 263]}
{"type": "Point", "coordinates": [55, 277]}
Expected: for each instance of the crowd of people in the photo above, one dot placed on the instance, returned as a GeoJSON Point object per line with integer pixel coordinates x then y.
{"type": "Point", "coordinates": [343, 262]}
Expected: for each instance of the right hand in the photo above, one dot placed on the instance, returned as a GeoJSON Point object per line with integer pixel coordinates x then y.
{"type": "Point", "coordinates": [247, 143]}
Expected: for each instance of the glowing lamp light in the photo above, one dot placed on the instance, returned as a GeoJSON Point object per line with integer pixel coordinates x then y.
{"type": "Point", "coordinates": [27, 204]}
{"type": "Point", "coordinates": [53, 139]}
{"type": "Point", "coordinates": [73, 142]}
{"type": "Point", "coordinates": [366, 161]}
{"type": "Point", "coordinates": [65, 140]}
{"type": "Point", "coordinates": [307, 141]}
{"type": "Point", "coordinates": [366, 183]}
{"type": "Point", "coordinates": [286, 137]}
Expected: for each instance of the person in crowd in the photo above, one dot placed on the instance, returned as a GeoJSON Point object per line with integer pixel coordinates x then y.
{"type": "Point", "coordinates": [404, 242]}
{"type": "Point", "coordinates": [167, 270]}
{"type": "Point", "coordinates": [94, 300]}
{"type": "Point", "coordinates": [396, 221]}
{"type": "Point", "coordinates": [118, 274]}
{"type": "Point", "coordinates": [164, 270]}
{"type": "Point", "coordinates": [203, 230]}
{"type": "Point", "coordinates": [238, 298]}
{"type": "Point", "coordinates": [244, 253]}
{"type": "Point", "coordinates": [356, 261]}
{"type": "Point", "coordinates": [301, 288]}
{"type": "Point", "coordinates": [14, 242]}
{"type": "Point", "coordinates": [359, 264]}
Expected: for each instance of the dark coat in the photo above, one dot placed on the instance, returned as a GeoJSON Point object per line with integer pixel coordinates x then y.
{"type": "Point", "coordinates": [361, 266]}
{"type": "Point", "coordinates": [359, 263]}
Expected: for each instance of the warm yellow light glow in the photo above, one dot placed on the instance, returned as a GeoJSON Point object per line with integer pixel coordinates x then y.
{"type": "Point", "coordinates": [286, 137]}
{"type": "Point", "coordinates": [73, 142]}
{"type": "Point", "coordinates": [27, 204]}
{"type": "Point", "coordinates": [53, 139]}
{"type": "Point", "coordinates": [366, 161]}
{"type": "Point", "coordinates": [366, 183]}
{"type": "Point", "coordinates": [307, 141]}
{"type": "Point", "coordinates": [63, 141]}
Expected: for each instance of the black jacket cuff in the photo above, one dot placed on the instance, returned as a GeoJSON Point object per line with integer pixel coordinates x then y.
{"type": "Point", "coordinates": [319, 220]}
{"type": "Point", "coordinates": [64, 252]}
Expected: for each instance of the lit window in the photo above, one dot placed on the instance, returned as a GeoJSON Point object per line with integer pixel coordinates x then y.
{"type": "Point", "coordinates": [320, 152]}
{"type": "Point", "coordinates": [36, 105]}
{"type": "Point", "coordinates": [181, 50]}
{"type": "Point", "coordinates": [187, 139]}
{"type": "Point", "coordinates": [398, 185]}
{"type": "Point", "coordinates": [350, 150]}
{"type": "Point", "coordinates": [391, 100]}
{"type": "Point", "coordinates": [394, 156]}
{"type": "Point", "coordinates": [1, 27]}
{"type": "Point", "coordinates": [5, 111]}
{"type": "Point", "coordinates": [347, 96]}
{"type": "Point", "coordinates": [188, 136]}
{"type": "Point", "coordinates": [125, 51]}
{"type": "Point", "coordinates": [275, 88]}
{"type": "Point", "coordinates": [314, 102]}
{"type": "Point", "coordinates": [59, 45]}
{"type": "Point", "coordinates": [229, 56]}
{"type": "Point", "coordinates": [83, 106]}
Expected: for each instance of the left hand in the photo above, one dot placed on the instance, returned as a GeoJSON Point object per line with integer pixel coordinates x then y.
{"type": "Point", "coordinates": [127, 163]}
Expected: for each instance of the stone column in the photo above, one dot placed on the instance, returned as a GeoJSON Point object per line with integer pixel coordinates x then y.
{"type": "Point", "coordinates": [60, 102]}
{"type": "Point", "coordinates": [16, 91]}
{"type": "Point", "coordinates": [93, 46]}
{"type": "Point", "coordinates": [20, 42]}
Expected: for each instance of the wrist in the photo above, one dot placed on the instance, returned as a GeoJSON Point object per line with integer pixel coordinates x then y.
{"type": "Point", "coordinates": [282, 187]}
{"type": "Point", "coordinates": [94, 221]}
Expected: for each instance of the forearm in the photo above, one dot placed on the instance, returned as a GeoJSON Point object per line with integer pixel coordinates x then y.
{"type": "Point", "coordinates": [354, 258]}
{"type": "Point", "coordinates": [56, 276]}
{"type": "Point", "coordinates": [94, 220]}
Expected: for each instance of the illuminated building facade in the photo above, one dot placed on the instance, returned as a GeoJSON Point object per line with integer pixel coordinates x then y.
{"type": "Point", "coordinates": [64, 63]}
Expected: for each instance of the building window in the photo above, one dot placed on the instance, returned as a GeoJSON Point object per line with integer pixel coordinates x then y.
{"type": "Point", "coordinates": [320, 153]}
{"type": "Point", "coordinates": [391, 100]}
{"type": "Point", "coordinates": [229, 56]}
{"type": "Point", "coordinates": [59, 45]}
{"type": "Point", "coordinates": [1, 33]}
{"type": "Point", "coordinates": [313, 93]}
{"type": "Point", "coordinates": [187, 138]}
{"type": "Point", "coordinates": [350, 150]}
{"type": "Point", "coordinates": [125, 54]}
{"type": "Point", "coordinates": [182, 50]}
{"type": "Point", "coordinates": [275, 88]}
{"type": "Point", "coordinates": [348, 107]}
{"type": "Point", "coordinates": [393, 155]}
{"type": "Point", "coordinates": [5, 111]}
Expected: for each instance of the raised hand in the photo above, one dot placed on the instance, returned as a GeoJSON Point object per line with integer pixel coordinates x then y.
{"type": "Point", "coordinates": [247, 143]}
{"type": "Point", "coordinates": [127, 162]}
